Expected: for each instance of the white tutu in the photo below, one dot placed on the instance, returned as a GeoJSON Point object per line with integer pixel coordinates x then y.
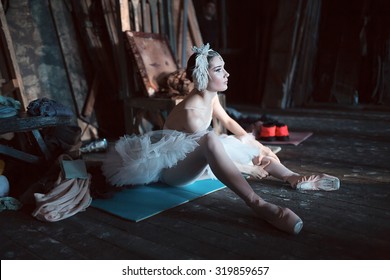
{"type": "Point", "coordinates": [139, 159]}
{"type": "Point", "coordinates": [240, 150]}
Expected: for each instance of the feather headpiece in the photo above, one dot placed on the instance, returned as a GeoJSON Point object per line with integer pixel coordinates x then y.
{"type": "Point", "coordinates": [201, 73]}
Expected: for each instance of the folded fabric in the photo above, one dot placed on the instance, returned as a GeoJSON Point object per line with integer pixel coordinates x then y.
{"type": "Point", "coordinates": [48, 108]}
{"type": "Point", "coordinates": [9, 102]}
{"type": "Point", "coordinates": [6, 112]}
{"type": "Point", "coordinates": [9, 203]}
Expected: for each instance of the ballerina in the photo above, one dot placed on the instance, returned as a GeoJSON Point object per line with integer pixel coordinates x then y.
{"type": "Point", "coordinates": [186, 148]}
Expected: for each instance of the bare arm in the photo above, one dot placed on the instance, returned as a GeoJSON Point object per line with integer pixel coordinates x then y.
{"type": "Point", "coordinates": [230, 124]}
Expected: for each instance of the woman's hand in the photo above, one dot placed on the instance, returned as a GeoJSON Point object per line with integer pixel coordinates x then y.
{"type": "Point", "coordinates": [265, 151]}
{"type": "Point", "coordinates": [253, 171]}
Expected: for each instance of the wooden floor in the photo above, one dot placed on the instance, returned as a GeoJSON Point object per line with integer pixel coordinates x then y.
{"type": "Point", "coordinates": [351, 223]}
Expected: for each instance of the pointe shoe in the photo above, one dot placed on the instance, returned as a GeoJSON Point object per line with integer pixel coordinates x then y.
{"type": "Point", "coordinates": [285, 220]}
{"type": "Point", "coordinates": [322, 182]}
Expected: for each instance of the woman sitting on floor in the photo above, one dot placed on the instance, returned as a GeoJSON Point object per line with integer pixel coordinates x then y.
{"type": "Point", "coordinates": [186, 148]}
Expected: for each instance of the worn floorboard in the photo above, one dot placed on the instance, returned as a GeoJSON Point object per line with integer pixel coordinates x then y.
{"type": "Point", "coordinates": [351, 223]}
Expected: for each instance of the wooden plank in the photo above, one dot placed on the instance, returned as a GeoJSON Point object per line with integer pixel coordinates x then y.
{"type": "Point", "coordinates": [100, 242]}
{"type": "Point", "coordinates": [171, 26]}
{"type": "Point", "coordinates": [128, 237]}
{"type": "Point", "coordinates": [155, 232]}
{"type": "Point", "coordinates": [90, 102]}
{"type": "Point", "coordinates": [24, 122]}
{"type": "Point", "coordinates": [239, 233]}
{"type": "Point", "coordinates": [178, 19]}
{"type": "Point", "coordinates": [11, 56]}
{"type": "Point", "coordinates": [154, 15]}
{"type": "Point", "coordinates": [23, 230]}
{"type": "Point", "coordinates": [111, 26]}
{"type": "Point", "coordinates": [146, 17]}
{"type": "Point", "coordinates": [185, 33]}
{"type": "Point", "coordinates": [193, 24]}
{"type": "Point", "coordinates": [110, 19]}
{"type": "Point", "coordinates": [99, 57]}
{"type": "Point", "coordinates": [320, 220]}
{"type": "Point", "coordinates": [136, 8]}
{"type": "Point", "coordinates": [124, 12]}
{"type": "Point", "coordinates": [71, 54]}
{"type": "Point", "coordinates": [161, 17]}
{"type": "Point", "coordinates": [11, 250]}
{"type": "Point", "coordinates": [20, 155]}
{"type": "Point", "coordinates": [184, 42]}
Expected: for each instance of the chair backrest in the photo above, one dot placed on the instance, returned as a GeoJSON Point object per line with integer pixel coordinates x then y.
{"type": "Point", "coordinates": [153, 57]}
{"type": "Point", "coordinates": [175, 19]}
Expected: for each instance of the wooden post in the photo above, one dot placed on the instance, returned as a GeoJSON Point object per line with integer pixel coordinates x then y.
{"type": "Point", "coordinates": [161, 17]}
{"type": "Point", "coordinates": [154, 15]}
{"type": "Point", "coordinates": [146, 26]}
{"type": "Point", "coordinates": [185, 24]}
{"type": "Point", "coordinates": [171, 27]}
{"type": "Point", "coordinates": [193, 23]}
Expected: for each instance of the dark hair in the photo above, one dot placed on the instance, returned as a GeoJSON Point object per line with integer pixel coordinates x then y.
{"type": "Point", "coordinates": [192, 61]}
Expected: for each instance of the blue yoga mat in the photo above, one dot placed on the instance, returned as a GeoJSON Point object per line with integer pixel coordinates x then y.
{"type": "Point", "coordinates": [141, 202]}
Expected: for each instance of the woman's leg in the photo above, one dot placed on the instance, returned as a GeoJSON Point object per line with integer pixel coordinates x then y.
{"type": "Point", "coordinates": [297, 181]}
{"type": "Point", "coordinates": [211, 152]}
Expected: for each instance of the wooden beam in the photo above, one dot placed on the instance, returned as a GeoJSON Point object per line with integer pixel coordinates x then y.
{"type": "Point", "coordinates": [10, 52]}
{"type": "Point", "coordinates": [193, 24]}
{"type": "Point", "coordinates": [185, 30]}
{"type": "Point", "coordinates": [124, 11]}
{"type": "Point", "coordinates": [171, 27]}
{"type": "Point", "coordinates": [161, 17]}
{"type": "Point", "coordinates": [136, 13]}
{"type": "Point", "coordinates": [146, 25]}
{"type": "Point", "coordinates": [90, 102]}
{"type": "Point", "coordinates": [154, 15]}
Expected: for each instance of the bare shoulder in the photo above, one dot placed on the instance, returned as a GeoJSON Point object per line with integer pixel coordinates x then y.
{"type": "Point", "coordinates": [193, 101]}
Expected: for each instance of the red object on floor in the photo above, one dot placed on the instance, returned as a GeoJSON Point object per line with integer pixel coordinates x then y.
{"type": "Point", "coordinates": [281, 132]}
{"type": "Point", "coordinates": [267, 132]}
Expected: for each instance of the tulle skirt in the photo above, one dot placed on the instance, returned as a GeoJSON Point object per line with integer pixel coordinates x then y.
{"type": "Point", "coordinates": [240, 150]}
{"type": "Point", "coordinates": [140, 159]}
